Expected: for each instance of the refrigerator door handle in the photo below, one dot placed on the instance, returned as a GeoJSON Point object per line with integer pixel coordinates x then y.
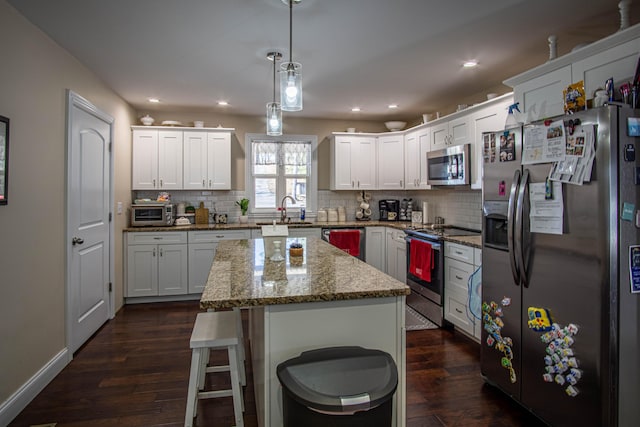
{"type": "Point", "coordinates": [510, 226]}
{"type": "Point", "coordinates": [519, 228]}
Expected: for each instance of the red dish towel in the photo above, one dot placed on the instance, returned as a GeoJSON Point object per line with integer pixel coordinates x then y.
{"type": "Point", "coordinates": [421, 260]}
{"type": "Point", "coordinates": [347, 240]}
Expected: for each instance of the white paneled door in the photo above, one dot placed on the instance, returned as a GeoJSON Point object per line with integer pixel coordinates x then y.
{"type": "Point", "coordinates": [88, 220]}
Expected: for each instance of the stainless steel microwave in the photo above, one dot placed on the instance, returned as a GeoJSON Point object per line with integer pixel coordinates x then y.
{"type": "Point", "coordinates": [449, 166]}
{"type": "Point", "coordinates": [152, 214]}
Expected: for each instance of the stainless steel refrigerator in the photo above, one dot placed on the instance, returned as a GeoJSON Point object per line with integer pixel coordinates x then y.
{"type": "Point", "coordinates": [561, 325]}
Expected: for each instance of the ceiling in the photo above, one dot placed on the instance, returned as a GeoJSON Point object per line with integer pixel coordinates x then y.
{"type": "Point", "coordinates": [367, 53]}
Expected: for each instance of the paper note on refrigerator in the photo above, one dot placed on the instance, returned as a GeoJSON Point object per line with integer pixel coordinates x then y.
{"type": "Point", "coordinates": [543, 144]}
{"type": "Point", "coordinates": [545, 216]}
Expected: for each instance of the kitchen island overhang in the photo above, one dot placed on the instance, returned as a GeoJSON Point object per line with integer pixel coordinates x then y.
{"type": "Point", "coordinates": [328, 298]}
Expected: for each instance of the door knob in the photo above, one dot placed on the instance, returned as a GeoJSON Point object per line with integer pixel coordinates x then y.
{"type": "Point", "coordinates": [77, 241]}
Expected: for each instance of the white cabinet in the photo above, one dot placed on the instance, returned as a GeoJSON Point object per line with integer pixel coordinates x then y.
{"type": "Point", "coordinates": [542, 96]}
{"type": "Point", "coordinates": [416, 146]}
{"type": "Point", "coordinates": [459, 264]}
{"type": "Point", "coordinates": [396, 254]}
{"type": "Point", "coordinates": [156, 264]}
{"type": "Point", "coordinates": [157, 160]}
{"type": "Point", "coordinates": [202, 249]}
{"type": "Point", "coordinates": [618, 62]}
{"type": "Point", "coordinates": [207, 160]}
{"type": "Point", "coordinates": [490, 118]}
{"type": "Point", "coordinates": [376, 247]}
{"type": "Point", "coordinates": [192, 159]}
{"type": "Point", "coordinates": [391, 162]}
{"type": "Point", "coordinates": [540, 90]}
{"type": "Point", "coordinates": [353, 162]}
{"type": "Point", "coordinates": [450, 133]}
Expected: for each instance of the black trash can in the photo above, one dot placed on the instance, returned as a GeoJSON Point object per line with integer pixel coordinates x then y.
{"type": "Point", "coordinates": [338, 387]}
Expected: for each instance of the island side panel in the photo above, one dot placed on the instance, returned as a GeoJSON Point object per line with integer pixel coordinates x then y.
{"type": "Point", "coordinates": [258, 351]}
{"type": "Point", "coordinates": [289, 329]}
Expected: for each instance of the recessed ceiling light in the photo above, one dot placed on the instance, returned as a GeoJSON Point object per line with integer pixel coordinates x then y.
{"type": "Point", "coordinates": [223, 103]}
{"type": "Point", "coordinates": [393, 105]}
{"type": "Point", "coordinates": [470, 64]}
{"type": "Point", "coordinates": [355, 109]}
{"type": "Point", "coordinates": [153, 100]}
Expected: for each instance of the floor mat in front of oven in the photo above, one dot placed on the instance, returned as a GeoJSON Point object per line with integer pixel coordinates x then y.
{"type": "Point", "coordinates": [414, 321]}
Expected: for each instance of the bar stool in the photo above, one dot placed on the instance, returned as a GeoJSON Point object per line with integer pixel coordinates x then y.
{"type": "Point", "coordinates": [215, 331]}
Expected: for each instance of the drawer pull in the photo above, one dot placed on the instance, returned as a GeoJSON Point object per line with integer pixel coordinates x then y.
{"type": "Point", "coordinates": [459, 253]}
{"type": "Point", "coordinates": [458, 277]}
{"type": "Point", "coordinates": [458, 310]}
{"type": "Point", "coordinates": [157, 238]}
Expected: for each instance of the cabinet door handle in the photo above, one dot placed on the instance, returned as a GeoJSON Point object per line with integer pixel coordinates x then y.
{"type": "Point", "coordinates": [209, 183]}
{"type": "Point", "coordinates": [154, 252]}
{"type": "Point", "coordinates": [358, 183]}
{"type": "Point", "coordinates": [458, 277]}
{"type": "Point", "coordinates": [77, 241]}
{"type": "Point", "coordinates": [203, 183]}
{"type": "Point", "coordinates": [458, 310]}
{"type": "Point", "coordinates": [154, 183]}
{"type": "Point", "coordinates": [353, 184]}
{"type": "Point", "coordinates": [160, 183]}
{"type": "Point", "coordinates": [401, 183]}
{"type": "Point", "coordinates": [160, 251]}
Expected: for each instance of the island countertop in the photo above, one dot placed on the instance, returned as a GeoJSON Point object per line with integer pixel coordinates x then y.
{"type": "Point", "coordinates": [241, 276]}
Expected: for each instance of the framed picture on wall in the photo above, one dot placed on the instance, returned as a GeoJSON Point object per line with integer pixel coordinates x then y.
{"type": "Point", "coordinates": [4, 159]}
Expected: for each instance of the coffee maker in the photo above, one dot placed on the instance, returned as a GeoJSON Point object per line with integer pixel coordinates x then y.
{"type": "Point", "coordinates": [388, 209]}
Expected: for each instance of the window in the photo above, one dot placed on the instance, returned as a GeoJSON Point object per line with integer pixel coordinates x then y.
{"type": "Point", "coordinates": [281, 166]}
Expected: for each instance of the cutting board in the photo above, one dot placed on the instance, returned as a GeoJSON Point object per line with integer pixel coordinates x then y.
{"type": "Point", "coordinates": [202, 214]}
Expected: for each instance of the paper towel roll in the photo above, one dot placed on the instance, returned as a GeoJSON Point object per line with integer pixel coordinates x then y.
{"type": "Point", "coordinates": [426, 218]}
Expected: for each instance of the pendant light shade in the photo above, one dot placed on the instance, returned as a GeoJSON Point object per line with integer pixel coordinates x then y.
{"type": "Point", "coordinates": [274, 119]}
{"type": "Point", "coordinates": [274, 112]}
{"type": "Point", "coordinates": [291, 73]}
{"type": "Point", "coordinates": [291, 86]}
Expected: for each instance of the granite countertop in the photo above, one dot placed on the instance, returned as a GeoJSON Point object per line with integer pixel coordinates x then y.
{"type": "Point", "coordinates": [254, 226]}
{"type": "Point", "coordinates": [474, 241]}
{"type": "Point", "coordinates": [241, 276]}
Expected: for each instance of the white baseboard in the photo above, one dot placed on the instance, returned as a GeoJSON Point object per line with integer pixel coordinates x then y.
{"type": "Point", "coordinates": [10, 408]}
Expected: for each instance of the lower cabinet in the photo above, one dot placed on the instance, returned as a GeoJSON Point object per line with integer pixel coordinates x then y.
{"type": "Point", "coordinates": [376, 247]}
{"type": "Point", "coordinates": [202, 249]}
{"type": "Point", "coordinates": [460, 262]}
{"type": "Point", "coordinates": [396, 254]}
{"type": "Point", "coordinates": [156, 264]}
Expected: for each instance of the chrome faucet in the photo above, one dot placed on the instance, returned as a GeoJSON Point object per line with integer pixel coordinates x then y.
{"type": "Point", "coordinates": [283, 207]}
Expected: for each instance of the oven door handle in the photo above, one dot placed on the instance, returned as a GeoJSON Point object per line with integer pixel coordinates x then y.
{"type": "Point", "coordinates": [434, 245]}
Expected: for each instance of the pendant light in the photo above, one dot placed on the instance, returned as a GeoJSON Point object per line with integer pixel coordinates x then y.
{"type": "Point", "coordinates": [274, 113]}
{"type": "Point", "coordinates": [290, 73]}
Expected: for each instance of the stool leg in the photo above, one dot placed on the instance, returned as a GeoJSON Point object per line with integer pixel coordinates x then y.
{"type": "Point", "coordinates": [241, 353]}
{"type": "Point", "coordinates": [192, 393]}
{"type": "Point", "coordinates": [204, 362]}
{"type": "Point", "coordinates": [236, 388]}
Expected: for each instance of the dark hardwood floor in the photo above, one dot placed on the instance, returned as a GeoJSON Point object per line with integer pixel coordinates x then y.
{"type": "Point", "coordinates": [135, 370]}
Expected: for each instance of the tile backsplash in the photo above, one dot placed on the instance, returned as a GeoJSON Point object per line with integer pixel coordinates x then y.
{"type": "Point", "coordinates": [461, 207]}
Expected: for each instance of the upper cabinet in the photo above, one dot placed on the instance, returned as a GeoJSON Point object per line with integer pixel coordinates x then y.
{"type": "Point", "coordinates": [391, 162]}
{"type": "Point", "coordinates": [353, 162]}
{"type": "Point", "coordinates": [416, 146]}
{"type": "Point", "coordinates": [157, 160]}
{"type": "Point", "coordinates": [490, 118]}
{"type": "Point", "coordinates": [450, 133]}
{"type": "Point", "coordinates": [540, 90]}
{"type": "Point", "coordinates": [207, 160]}
{"type": "Point", "coordinates": [181, 158]}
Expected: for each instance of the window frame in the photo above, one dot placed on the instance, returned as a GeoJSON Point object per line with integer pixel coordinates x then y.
{"type": "Point", "coordinates": [312, 178]}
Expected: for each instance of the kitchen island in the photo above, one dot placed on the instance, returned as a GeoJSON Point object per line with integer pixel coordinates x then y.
{"type": "Point", "coordinates": [326, 298]}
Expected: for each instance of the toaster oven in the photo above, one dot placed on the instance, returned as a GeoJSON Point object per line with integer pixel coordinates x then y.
{"type": "Point", "coordinates": [152, 214]}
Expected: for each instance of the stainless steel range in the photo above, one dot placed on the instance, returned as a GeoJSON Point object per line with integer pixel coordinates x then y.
{"type": "Point", "coordinates": [427, 297]}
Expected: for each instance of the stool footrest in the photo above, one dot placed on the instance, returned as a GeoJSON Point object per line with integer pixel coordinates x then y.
{"type": "Point", "coordinates": [220, 368]}
{"type": "Point", "coordinates": [214, 394]}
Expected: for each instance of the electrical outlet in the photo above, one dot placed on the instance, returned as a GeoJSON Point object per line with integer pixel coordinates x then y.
{"type": "Point", "coordinates": [119, 208]}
